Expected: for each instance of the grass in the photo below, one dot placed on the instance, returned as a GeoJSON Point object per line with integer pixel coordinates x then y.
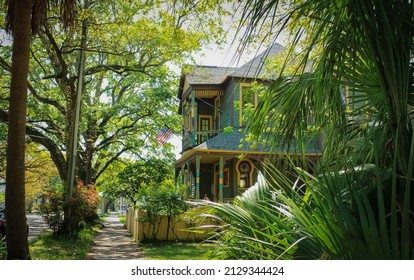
{"type": "Point", "coordinates": [47, 247]}
{"type": "Point", "coordinates": [179, 251]}
{"type": "Point", "coordinates": [122, 219]}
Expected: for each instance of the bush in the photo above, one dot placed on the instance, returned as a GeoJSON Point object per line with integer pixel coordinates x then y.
{"type": "Point", "coordinates": [84, 206]}
{"type": "Point", "coordinates": [51, 208]}
{"type": "Point", "coordinates": [165, 199]}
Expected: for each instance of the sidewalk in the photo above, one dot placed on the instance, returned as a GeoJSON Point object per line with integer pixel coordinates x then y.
{"type": "Point", "coordinates": [114, 242]}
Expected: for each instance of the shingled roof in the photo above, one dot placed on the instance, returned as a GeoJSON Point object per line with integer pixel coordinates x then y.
{"type": "Point", "coordinates": [215, 75]}
{"type": "Point", "coordinates": [254, 68]}
{"type": "Point", "coordinates": [234, 141]}
{"type": "Point", "coordinates": [205, 75]}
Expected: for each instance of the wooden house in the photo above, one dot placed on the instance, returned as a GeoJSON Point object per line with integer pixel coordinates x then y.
{"type": "Point", "coordinates": [215, 162]}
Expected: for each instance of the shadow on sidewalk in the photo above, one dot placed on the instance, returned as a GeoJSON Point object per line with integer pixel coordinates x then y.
{"type": "Point", "coordinates": [114, 242]}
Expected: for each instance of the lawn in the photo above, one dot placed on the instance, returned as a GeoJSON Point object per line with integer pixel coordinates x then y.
{"type": "Point", "coordinates": [46, 247]}
{"type": "Point", "coordinates": [179, 251]}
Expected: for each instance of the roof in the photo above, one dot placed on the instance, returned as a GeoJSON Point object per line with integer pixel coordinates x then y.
{"type": "Point", "coordinates": [216, 75]}
{"type": "Point", "coordinates": [233, 141]}
{"type": "Point", "coordinates": [254, 68]}
{"type": "Point", "coordinates": [208, 74]}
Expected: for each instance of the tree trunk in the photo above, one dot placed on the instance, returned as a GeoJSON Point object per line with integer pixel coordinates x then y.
{"type": "Point", "coordinates": [17, 243]}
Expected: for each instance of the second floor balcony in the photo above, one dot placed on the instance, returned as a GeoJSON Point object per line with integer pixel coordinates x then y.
{"type": "Point", "coordinates": [193, 138]}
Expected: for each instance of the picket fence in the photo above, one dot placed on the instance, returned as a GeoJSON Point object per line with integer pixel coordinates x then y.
{"type": "Point", "coordinates": [160, 229]}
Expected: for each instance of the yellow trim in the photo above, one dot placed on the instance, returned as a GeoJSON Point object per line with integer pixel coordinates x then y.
{"type": "Point", "coordinates": [217, 112]}
{"type": "Point", "coordinates": [210, 118]}
{"type": "Point", "coordinates": [191, 152]}
{"type": "Point", "coordinates": [205, 117]}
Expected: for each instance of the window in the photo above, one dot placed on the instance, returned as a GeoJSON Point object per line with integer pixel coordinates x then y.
{"type": "Point", "coordinates": [204, 124]}
{"type": "Point", "coordinates": [248, 101]}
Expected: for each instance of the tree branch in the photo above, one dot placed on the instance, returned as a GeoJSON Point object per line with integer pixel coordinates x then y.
{"type": "Point", "coordinates": [45, 100]}
{"type": "Point", "coordinates": [46, 142]}
{"type": "Point", "coordinates": [109, 162]}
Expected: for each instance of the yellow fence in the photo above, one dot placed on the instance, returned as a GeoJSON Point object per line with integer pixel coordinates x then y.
{"type": "Point", "coordinates": [160, 228]}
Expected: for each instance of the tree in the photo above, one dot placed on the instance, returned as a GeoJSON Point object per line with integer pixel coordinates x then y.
{"type": "Point", "coordinates": [349, 79]}
{"type": "Point", "coordinates": [23, 18]}
{"type": "Point", "coordinates": [163, 199]}
{"type": "Point", "coordinates": [40, 172]}
{"type": "Point", "coordinates": [138, 176]}
{"type": "Point", "coordinates": [127, 84]}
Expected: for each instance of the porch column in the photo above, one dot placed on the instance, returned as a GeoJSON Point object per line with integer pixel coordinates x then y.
{"type": "Point", "coordinates": [221, 166]}
{"type": "Point", "coordinates": [197, 177]}
{"type": "Point", "coordinates": [188, 181]}
{"type": "Point", "coordinates": [194, 119]}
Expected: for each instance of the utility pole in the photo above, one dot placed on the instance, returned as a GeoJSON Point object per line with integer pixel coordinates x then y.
{"type": "Point", "coordinates": [67, 227]}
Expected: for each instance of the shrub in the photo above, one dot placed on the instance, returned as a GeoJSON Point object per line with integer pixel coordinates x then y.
{"type": "Point", "coordinates": [84, 204]}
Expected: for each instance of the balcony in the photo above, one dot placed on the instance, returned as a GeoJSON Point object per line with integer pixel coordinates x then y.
{"type": "Point", "coordinates": [192, 139]}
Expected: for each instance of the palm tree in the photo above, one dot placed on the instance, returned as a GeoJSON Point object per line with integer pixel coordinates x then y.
{"type": "Point", "coordinates": [23, 19]}
{"type": "Point", "coordinates": [352, 84]}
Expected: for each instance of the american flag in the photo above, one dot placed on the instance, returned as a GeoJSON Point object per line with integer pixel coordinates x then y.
{"type": "Point", "coordinates": [163, 135]}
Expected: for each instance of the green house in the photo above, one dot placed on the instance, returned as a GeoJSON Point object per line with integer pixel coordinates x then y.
{"type": "Point", "coordinates": [215, 162]}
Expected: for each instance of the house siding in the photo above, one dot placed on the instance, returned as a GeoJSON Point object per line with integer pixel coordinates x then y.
{"type": "Point", "coordinates": [227, 106]}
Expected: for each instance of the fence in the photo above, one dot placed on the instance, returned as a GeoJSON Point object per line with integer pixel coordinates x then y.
{"type": "Point", "coordinates": [161, 228]}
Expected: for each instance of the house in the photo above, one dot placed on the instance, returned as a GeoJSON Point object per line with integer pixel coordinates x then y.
{"type": "Point", "coordinates": [215, 162]}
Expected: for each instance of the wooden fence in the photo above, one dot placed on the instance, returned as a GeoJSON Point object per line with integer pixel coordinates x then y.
{"type": "Point", "coordinates": [160, 228]}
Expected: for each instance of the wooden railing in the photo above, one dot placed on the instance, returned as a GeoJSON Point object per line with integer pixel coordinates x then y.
{"type": "Point", "coordinates": [191, 139]}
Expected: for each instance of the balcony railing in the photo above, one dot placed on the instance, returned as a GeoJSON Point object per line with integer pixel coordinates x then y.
{"type": "Point", "coordinates": [191, 139]}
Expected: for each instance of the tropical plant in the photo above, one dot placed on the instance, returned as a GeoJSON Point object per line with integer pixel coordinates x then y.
{"type": "Point", "coordinates": [349, 84]}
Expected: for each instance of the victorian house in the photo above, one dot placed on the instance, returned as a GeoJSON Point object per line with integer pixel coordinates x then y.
{"type": "Point", "coordinates": [216, 163]}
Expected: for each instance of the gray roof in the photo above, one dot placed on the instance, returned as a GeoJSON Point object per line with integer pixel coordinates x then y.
{"type": "Point", "coordinates": [204, 75]}
{"type": "Point", "coordinates": [230, 141]}
{"type": "Point", "coordinates": [255, 67]}
{"type": "Point", "coordinates": [233, 141]}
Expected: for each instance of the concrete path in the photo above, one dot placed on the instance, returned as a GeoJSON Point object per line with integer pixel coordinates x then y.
{"type": "Point", "coordinates": [37, 225]}
{"type": "Point", "coordinates": [114, 242]}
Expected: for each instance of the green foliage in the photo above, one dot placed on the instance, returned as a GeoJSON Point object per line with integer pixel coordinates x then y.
{"type": "Point", "coordinates": [51, 207]}
{"type": "Point", "coordinates": [178, 251]}
{"type": "Point", "coordinates": [84, 204]}
{"type": "Point", "coordinates": [3, 252]}
{"type": "Point", "coordinates": [345, 79]}
{"type": "Point", "coordinates": [342, 214]}
{"type": "Point", "coordinates": [164, 199]}
{"type": "Point", "coordinates": [132, 49]}
{"type": "Point", "coordinates": [135, 178]}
